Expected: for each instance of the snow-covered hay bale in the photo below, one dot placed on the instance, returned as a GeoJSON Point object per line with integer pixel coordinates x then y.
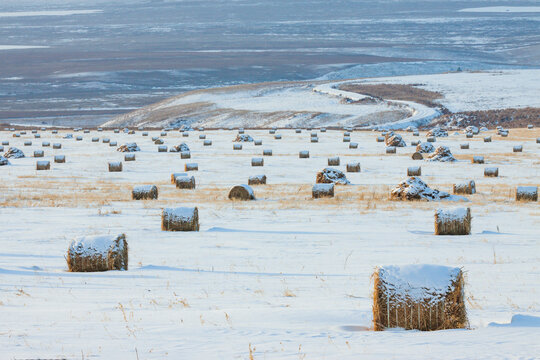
{"type": "Point", "coordinates": [145, 133]}
{"type": "Point", "coordinates": [257, 161]}
{"type": "Point", "coordinates": [241, 137]}
{"type": "Point", "coordinates": [304, 154]}
{"type": "Point", "coordinates": [415, 189]}
{"type": "Point", "coordinates": [98, 253]}
{"type": "Point", "coordinates": [175, 175]}
{"type": "Point", "coordinates": [37, 136]}
{"type": "Point", "coordinates": [455, 221]}
{"type": "Point", "coordinates": [3, 161]}
{"type": "Point", "coordinates": [323, 129]}
{"type": "Point", "coordinates": [380, 138]}
{"type": "Point", "coordinates": [185, 155]}
{"type": "Point", "coordinates": [95, 139]}
{"type": "Point", "coordinates": [158, 141]}
{"type": "Point", "coordinates": [28, 143]}
{"type": "Point", "coordinates": [272, 131]}
{"type": "Point", "coordinates": [420, 297]}
{"type": "Point", "coordinates": [346, 139]}
{"type": "Point", "coordinates": [443, 154]}
{"type": "Point", "coordinates": [277, 136]}
{"type": "Point", "coordinates": [353, 145]}
{"type": "Point", "coordinates": [185, 182]}
{"type": "Point", "coordinates": [113, 143]}
{"type": "Point", "coordinates": [185, 134]}
{"type": "Point", "coordinates": [431, 139]}
{"type": "Point", "coordinates": [527, 193]}
{"type": "Point", "coordinates": [472, 129]}
{"type": "Point", "coordinates": [530, 126]}
{"type": "Point", "coordinates": [517, 148]}
{"type": "Point", "coordinates": [43, 165]}
{"type": "Point", "coordinates": [417, 156]}
{"type": "Point", "coordinates": [237, 146]}
{"type": "Point", "coordinates": [464, 146]}
{"type": "Point", "coordinates": [478, 159]}
{"type": "Point", "coordinates": [129, 157]}
{"type": "Point", "coordinates": [191, 167]}
{"type": "Point", "coordinates": [391, 150]}
{"type": "Point", "coordinates": [322, 190]}
{"type": "Point", "coordinates": [79, 138]}
{"type": "Point", "coordinates": [437, 132]}
{"type": "Point", "coordinates": [414, 171]}
{"type": "Point", "coordinates": [257, 142]}
{"type": "Point", "coordinates": [115, 166]}
{"type": "Point", "coordinates": [129, 147]}
{"type": "Point", "coordinates": [267, 152]}
{"type": "Point", "coordinates": [491, 172]}
{"type": "Point", "coordinates": [5, 142]}
{"type": "Point", "coordinates": [467, 188]}
{"type": "Point", "coordinates": [333, 161]}
{"type": "Point", "coordinates": [257, 180]}
{"type": "Point", "coordinates": [144, 192]}
{"type": "Point", "coordinates": [331, 176]}
{"type": "Point", "coordinates": [241, 192]}
{"type": "Point", "coordinates": [13, 153]}
{"type": "Point", "coordinates": [207, 143]}
{"type": "Point", "coordinates": [298, 131]}
{"type": "Point", "coordinates": [353, 167]}
{"type": "Point", "coordinates": [46, 144]}
{"type": "Point", "coordinates": [392, 139]}
{"type": "Point", "coordinates": [163, 133]}
{"type": "Point", "coordinates": [415, 142]}
{"type": "Point", "coordinates": [116, 131]}
{"type": "Point", "coordinates": [538, 140]}
{"type": "Point", "coordinates": [416, 133]}
{"type": "Point", "coordinates": [469, 135]}
{"type": "Point", "coordinates": [60, 159]}
{"type": "Point", "coordinates": [162, 148]}
{"type": "Point", "coordinates": [57, 146]}
{"type": "Point", "coordinates": [425, 148]}
{"type": "Point", "coordinates": [314, 139]}
{"type": "Point", "coordinates": [38, 153]}
{"type": "Point", "coordinates": [241, 130]}
{"type": "Point", "coordinates": [180, 219]}
{"type": "Point", "coordinates": [487, 139]}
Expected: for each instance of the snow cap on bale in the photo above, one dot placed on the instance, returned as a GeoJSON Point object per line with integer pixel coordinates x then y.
{"type": "Point", "coordinates": [243, 138]}
{"type": "Point", "coordinates": [322, 190]}
{"type": "Point", "coordinates": [331, 175]}
{"type": "Point", "coordinates": [98, 253]}
{"type": "Point", "coordinates": [180, 219]}
{"type": "Point", "coordinates": [455, 221]}
{"type": "Point", "coordinates": [129, 147]}
{"type": "Point", "coordinates": [241, 192]}
{"type": "Point", "coordinates": [443, 154]}
{"type": "Point", "coordinates": [144, 192]}
{"type": "Point", "coordinates": [185, 182]}
{"type": "Point", "coordinates": [415, 189]}
{"type": "Point", "coordinates": [421, 297]}
{"type": "Point", "coordinates": [13, 153]}
{"type": "Point", "coordinates": [425, 148]}
{"type": "Point", "coordinates": [392, 139]}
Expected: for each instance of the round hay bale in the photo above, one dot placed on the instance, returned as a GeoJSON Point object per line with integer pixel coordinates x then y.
{"type": "Point", "coordinates": [237, 147]}
{"type": "Point", "coordinates": [38, 153]}
{"type": "Point", "coordinates": [322, 190]}
{"type": "Point", "coordinates": [346, 139]}
{"type": "Point", "coordinates": [163, 133]}
{"type": "Point", "coordinates": [416, 133]}
{"type": "Point", "coordinates": [185, 155]}
{"type": "Point", "coordinates": [491, 172]}
{"type": "Point", "coordinates": [537, 141]}
{"type": "Point", "coordinates": [16, 135]}
{"type": "Point", "coordinates": [185, 134]}
{"type": "Point", "coordinates": [33, 132]}
{"type": "Point", "coordinates": [417, 156]}
{"type": "Point", "coordinates": [517, 148]}
{"type": "Point", "coordinates": [191, 167]}
{"type": "Point", "coordinates": [465, 188]}
{"type": "Point", "coordinates": [100, 129]}
{"type": "Point", "coordinates": [115, 166]}
{"type": "Point", "coordinates": [415, 142]}
{"type": "Point", "coordinates": [129, 157]}
{"type": "Point", "coordinates": [43, 165]}
{"type": "Point", "coordinates": [54, 131]}
{"type": "Point", "coordinates": [455, 221]}
{"type": "Point", "coordinates": [304, 154]}
{"type": "Point", "coordinates": [145, 133]}
{"type": "Point", "coordinates": [431, 139]}
{"type": "Point", "coordinates": [257, 180]}
{"type": "Point", "coordinates": [185, 182]}
{"type": "Point", "coordinates": [353, 167]}
{"type": "Point", "coordinates": [241, 192]}
{"type": "Point", "coordinates": [207, 143]}
{"type": "Point", "coordinates": [530, 126]}
{"type": "Point", "coordinates": [333, 161]}
{"type": "Point", "coordinates": [98, 253]}
{"type": "Point", "coordinates": [298, 131]}
{"type": "Point", "coordinates": [314, 140]}
{"type": "Point", "coordinates": [1, 148]}
{"type": "Point", "coordinates": [202, 136]}
{"type": "Point", "coordinates": [116, 131]}
{"type": "Point", "coordinates": [46, 144]}
{"type": "Point", "coordinates": [478, 160]}
{"type": "Point", "coordinates": [113, 143]}
{"type": "Point", "coordinates": [86, 131]}
{"type": "Point", "coordinates": [469, 135]}
{"type": "Point", "coordinates": [162, 148]}
{"type": "Point", "coordinates": [420, 297]}
{"type": "Point", "coordinates": [59, 159]}
{"type": "Point", "coordinates": [79, 138]}
{"type": "Point", "coordinates": [6, 143]}
{"type": "Point", "coordinates": [257, 142]}
{"type": "Point", "coordinates": [105, 140]}
{"type": "Point", "coordinates": [414, 171]}
{"type": "Point", "coordinates": [353, 145]}
{"type": "Point", "coordinates": [175, 175]}
{"type": "Point", "coordinates": [277, 136]}
{"type": "Point", "coordinates": [323, 130]}
{"type": "Point", "coordinates": [314, 134]}
{"type": "Point", "coordinates": [180, 219]}
{"type": "Point", "coordinates": [257, 162]}
{"type": "Point", "coordinates": [272, 131]}
{"type": "Point", "coordinates": [144, 192]}
{"type": "Point", "coordinates": [527, 193]}
{"type": "Point", "coordinates": [37, 136]}
{"type": "Point", "coordinates": [95, 139]}
{"type": "Point", "coordinates": [464, 146]}
{"type": "Point", "coordinates": [240, 131]}
{"type": "Point", "coordinates": [27, 143]}
{"type": "Point", "coordinates": [267, 152]}
{"type": "Point", "coordinates": [57, 146]}
{"type": "Point", "coordinates": [487, 139]}
{"type": "Point", "coordinates": [390, 149]}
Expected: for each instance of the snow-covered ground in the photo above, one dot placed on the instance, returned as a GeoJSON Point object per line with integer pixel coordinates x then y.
{"type": "Point", "coordinates": [281, 277]}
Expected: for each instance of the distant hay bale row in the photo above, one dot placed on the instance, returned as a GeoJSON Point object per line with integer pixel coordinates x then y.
{"type": "Point", "coordinates": [453, 221]}
{"type": "Point", "coordinates": [144, 192]}
{"type": "Point", "coordinates": [180, 219]}
{"type": "Point", "coordinates": [421, 297]}
{"type": "Point", "coordinates": [98, 253]}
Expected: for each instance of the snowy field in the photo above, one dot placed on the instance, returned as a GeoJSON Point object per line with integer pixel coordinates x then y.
{"type": "Point", "coordinates": [282, 277]}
